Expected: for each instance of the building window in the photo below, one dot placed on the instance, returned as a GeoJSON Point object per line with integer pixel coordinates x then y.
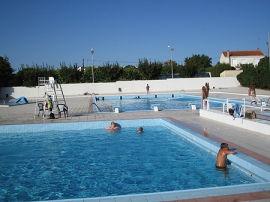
{"type": "Point", "coordinates": [234, 63]}
{"type": "Point", "coordinates": [244, 61]}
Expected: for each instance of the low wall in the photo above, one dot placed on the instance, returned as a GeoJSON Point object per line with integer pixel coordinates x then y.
{"type": "Point", "coordinates": [248, 124]}
{"type": "Point", "coordinates": [178, 84]}
{"type": "Point", "coordinates": [230, 73]}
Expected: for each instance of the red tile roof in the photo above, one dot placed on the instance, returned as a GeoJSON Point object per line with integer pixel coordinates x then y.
{"type": "Point", "coordinates": [243, 53]}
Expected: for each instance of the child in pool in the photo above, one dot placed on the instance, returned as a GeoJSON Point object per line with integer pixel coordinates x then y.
{"type": "Point", "coordinates": [140, 130]}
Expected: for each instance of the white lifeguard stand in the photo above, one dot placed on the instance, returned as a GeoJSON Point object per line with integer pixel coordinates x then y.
{"type": "Point", "coordinates": [49, 88]}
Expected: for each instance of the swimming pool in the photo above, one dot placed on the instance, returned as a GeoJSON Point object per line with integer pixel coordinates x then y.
{"type": "Point", "coordinates": [146, 102]}
{"type": "Point", "coordinates": [45, 168]}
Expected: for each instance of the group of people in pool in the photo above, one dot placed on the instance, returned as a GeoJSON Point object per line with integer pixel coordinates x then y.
{"type": "Point", "coordinates": [224, 150]}
{"type": "Point", "coordinates": [114, 127]}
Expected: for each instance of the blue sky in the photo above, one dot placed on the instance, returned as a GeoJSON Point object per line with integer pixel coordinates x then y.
{"type": "Point", "coordinates": [55, 31]}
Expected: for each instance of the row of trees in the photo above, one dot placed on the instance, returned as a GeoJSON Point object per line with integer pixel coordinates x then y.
{"type": "Point", "coordinates": [145, 70]}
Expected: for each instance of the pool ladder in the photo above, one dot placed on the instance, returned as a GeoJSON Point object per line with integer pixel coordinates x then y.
{"type": "Point", "coordinates": [96, 106]}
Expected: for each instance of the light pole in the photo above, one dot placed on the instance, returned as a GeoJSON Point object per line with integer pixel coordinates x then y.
{"type": "Point", "coordinates": [92, 51]}
{"type": "Point", "coordinates": [171, 48]}
{"type": "Point", "coordinates": [268, 43]}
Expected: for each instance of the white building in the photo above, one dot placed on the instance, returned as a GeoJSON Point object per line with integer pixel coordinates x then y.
{"type": "Point", "coordinates": [235, 58]}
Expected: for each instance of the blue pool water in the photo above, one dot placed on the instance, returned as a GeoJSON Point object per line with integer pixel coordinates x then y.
{"type": "Point", "coordinates": [47, 162]}
{"type": "Point", "coordinates": [144, 102]}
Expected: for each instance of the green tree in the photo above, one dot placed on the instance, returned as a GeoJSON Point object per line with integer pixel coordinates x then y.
{"type": "Point", "coordinates": [106, 72]}
{"type": "Point", "coordinates": [193, 65]}
{"type": "Point", "coordinates": [218, 69]}
{"type": "Point", "coordinates": [190, 68]}
{"type": "Point", "coordinates": [167, 69]}
{"type": "Point", "coordinates": [28, 76]}
{"type": "Point", "coordinates": [111, 72]}
{"type": "Point", "coordinates": [87, 76]}
{"type": "Point", "coordinates": [149, 70]}
{"type": "Point", "coordinates": [258, 76]}
{"type": "Point", "coordinates": [5, 72]}
{"type": "Point", "coordinates": [98, 73]}
{"type": "Point", "coordinates": [130, 73]}
{"type": "Point", "coordinates": [116, 72]}
{"type": "Point", "coordinates": [264, 63]}
{"type": "Point", "coordinates": [70, 74]}
{"type": "Point", "coordinates": [248, 76]}
{"type": "Point", "coordinates": [201, 62]}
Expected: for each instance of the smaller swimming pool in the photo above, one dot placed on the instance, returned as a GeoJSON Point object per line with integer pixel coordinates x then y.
{"type": "Point", "coordinates": [146, 102]}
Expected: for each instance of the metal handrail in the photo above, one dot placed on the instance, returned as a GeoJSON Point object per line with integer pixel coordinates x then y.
{"type": "Point", "coordinates": [96, 106]}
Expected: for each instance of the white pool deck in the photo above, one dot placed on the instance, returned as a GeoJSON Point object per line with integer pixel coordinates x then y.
{"type": "Point", "coordinates": [251, 137]}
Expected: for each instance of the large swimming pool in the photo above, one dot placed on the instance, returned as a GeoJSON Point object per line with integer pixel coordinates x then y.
{"type": "Point", "coordinates": [146, 102]}
{"type": "Point", "coordinates": [82, 160]}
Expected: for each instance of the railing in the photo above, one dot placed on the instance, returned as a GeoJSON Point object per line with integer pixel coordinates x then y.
{"type": "Point", "coordinates": [230, 102]}
{"type": "Point", "coordinates": [96, 106]}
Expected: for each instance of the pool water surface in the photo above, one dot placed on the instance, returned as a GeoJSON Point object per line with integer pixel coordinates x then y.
{"type": "Point", "coordinates": [93, 162]}
{"type": "Point", "coordinates": [146, 102]}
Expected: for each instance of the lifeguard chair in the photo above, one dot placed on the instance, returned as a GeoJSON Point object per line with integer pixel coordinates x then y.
{"type": "Point", "coordinates": [51, 96]}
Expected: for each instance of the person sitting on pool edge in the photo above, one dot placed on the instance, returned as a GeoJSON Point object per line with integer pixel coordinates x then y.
{"type": "Point", "coordinates": [140, 130]}
{"type": "Point", "coordinates": [113, 126]}
{"type": "Point", "coordinates": [222, 155]}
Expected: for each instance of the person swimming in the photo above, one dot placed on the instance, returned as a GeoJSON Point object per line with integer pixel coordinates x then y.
{"type": "Point", "coordinates": [113, 126]}
{"type": "Point", "coordinates": [140, 130]}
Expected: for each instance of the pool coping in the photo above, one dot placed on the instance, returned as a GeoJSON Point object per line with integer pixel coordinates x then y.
{"type": "Point", "coordinates": [210, 144]}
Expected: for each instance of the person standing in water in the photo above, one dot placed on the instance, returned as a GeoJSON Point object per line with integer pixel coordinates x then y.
{"type": "Point", "coordinates": [222, 155]}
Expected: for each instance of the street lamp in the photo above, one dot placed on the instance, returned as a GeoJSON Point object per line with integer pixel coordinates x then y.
{"type": "Point", "coordinates": [171, 48]}
{"type": "Point", "coordinates": [268, 44]}
{"type": "Point", "coordinates": [92, 51]}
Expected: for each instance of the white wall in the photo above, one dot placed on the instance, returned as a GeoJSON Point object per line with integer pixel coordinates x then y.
{"type": "Point", "coordinates": [230, 73]}
{"type": "Point", "coordinates": [224, 59]}
{"type": "Point", "coordinates": [126, 86]}
{"type": "Point", "coordinates": [238, 122]}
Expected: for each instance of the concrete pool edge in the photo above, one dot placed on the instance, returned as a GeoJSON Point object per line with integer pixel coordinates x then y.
{"type": "Point", "coordinates": [161, 196]}
{"type": "Point", "coordinates": [243, 161]}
